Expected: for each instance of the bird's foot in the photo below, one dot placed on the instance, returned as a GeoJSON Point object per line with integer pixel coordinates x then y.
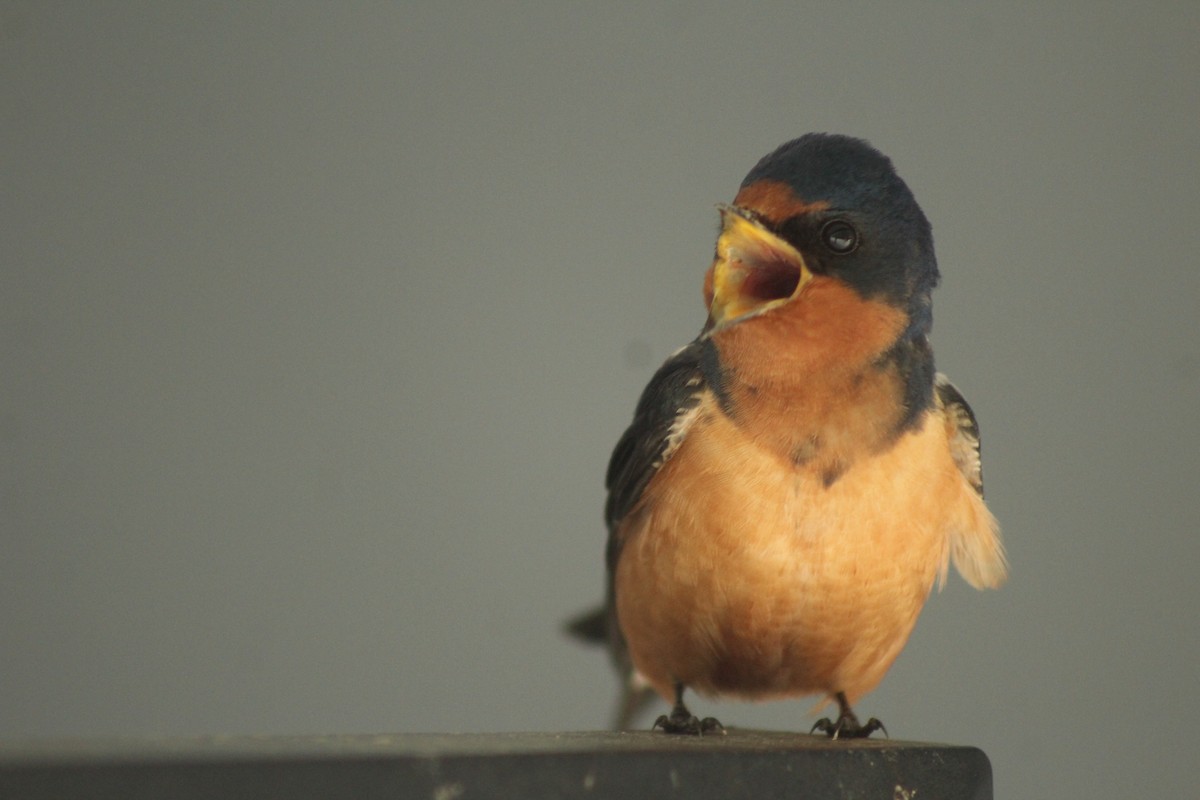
{"type": "Point", "coordinates": [680, 720]}
{"type": "Point", "coordinates": [848, 727]}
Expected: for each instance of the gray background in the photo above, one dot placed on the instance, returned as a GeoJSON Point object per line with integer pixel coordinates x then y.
{"type": "Point", "coordinates": [319, 323]}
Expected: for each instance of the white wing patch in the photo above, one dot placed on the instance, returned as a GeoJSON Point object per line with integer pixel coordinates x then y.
{"type": "Point", "coordinates": [964, 439]}
{"type": "Point", "coordinates": [679, 430]}
{"type": "Point", "coordinates": [975, 544]}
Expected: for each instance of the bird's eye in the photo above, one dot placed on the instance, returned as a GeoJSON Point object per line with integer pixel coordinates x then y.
{"type": "Point", "coordinates": [839, 236]}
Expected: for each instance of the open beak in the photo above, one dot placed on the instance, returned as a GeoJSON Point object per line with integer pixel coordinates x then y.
{"type": "Point", "coordinates": [754, 270]}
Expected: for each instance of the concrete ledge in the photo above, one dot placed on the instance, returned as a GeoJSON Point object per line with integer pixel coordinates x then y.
{"type": "Point", "coordinates": [743, 764]}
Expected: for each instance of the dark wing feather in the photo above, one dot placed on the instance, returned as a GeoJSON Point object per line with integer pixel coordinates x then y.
{"type": "Point", "coordinates": [655, 431]}
{"type": "Point", "coordinates": [964, 439]}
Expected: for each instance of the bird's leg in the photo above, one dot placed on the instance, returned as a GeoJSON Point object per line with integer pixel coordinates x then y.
{"type": "Point", "coordinates": [680, 720]}
{"type": "Point", "coordinates": [847, 725]}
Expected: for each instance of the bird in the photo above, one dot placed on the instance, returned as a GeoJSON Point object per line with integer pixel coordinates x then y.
{"type": "Point", "coordinates": [796, 479]}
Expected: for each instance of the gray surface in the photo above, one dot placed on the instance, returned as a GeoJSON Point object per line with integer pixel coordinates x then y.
{"type": "Point", "coordinates": [317, 325]}
{"type": "Point", "coordinates": [744, 763]}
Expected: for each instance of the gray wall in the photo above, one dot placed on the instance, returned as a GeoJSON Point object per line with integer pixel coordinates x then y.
{"type": "Point", "coordinates": [318, 324]}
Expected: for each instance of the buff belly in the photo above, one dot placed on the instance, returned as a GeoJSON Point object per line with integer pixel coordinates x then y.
{"type": "Point", "coordinates": [756, 579]}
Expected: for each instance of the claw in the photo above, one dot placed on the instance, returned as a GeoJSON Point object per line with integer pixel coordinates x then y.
{"type": "Point", "coordinates": [684, 722]}
{"type": "Point", "coordinates": [680, 720]}
{"type": "Point", "coordinates": [847, 725]}
{"type": "Point", "coordinates": [678, 723]}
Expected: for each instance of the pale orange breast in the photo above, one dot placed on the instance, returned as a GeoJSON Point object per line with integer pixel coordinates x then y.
{"type": "Point", "coordinates": [744, 574]}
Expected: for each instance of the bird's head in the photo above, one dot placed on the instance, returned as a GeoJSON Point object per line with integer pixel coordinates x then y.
{"type": "Point", "coordinates": [822, 212]}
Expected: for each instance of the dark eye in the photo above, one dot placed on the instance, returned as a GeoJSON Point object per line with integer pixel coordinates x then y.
{"type": "Point", "coordinates": [839, 236]}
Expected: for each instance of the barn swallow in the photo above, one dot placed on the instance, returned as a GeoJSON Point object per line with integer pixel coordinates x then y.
{"type": "Point", "coordinates": [796, 479]}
